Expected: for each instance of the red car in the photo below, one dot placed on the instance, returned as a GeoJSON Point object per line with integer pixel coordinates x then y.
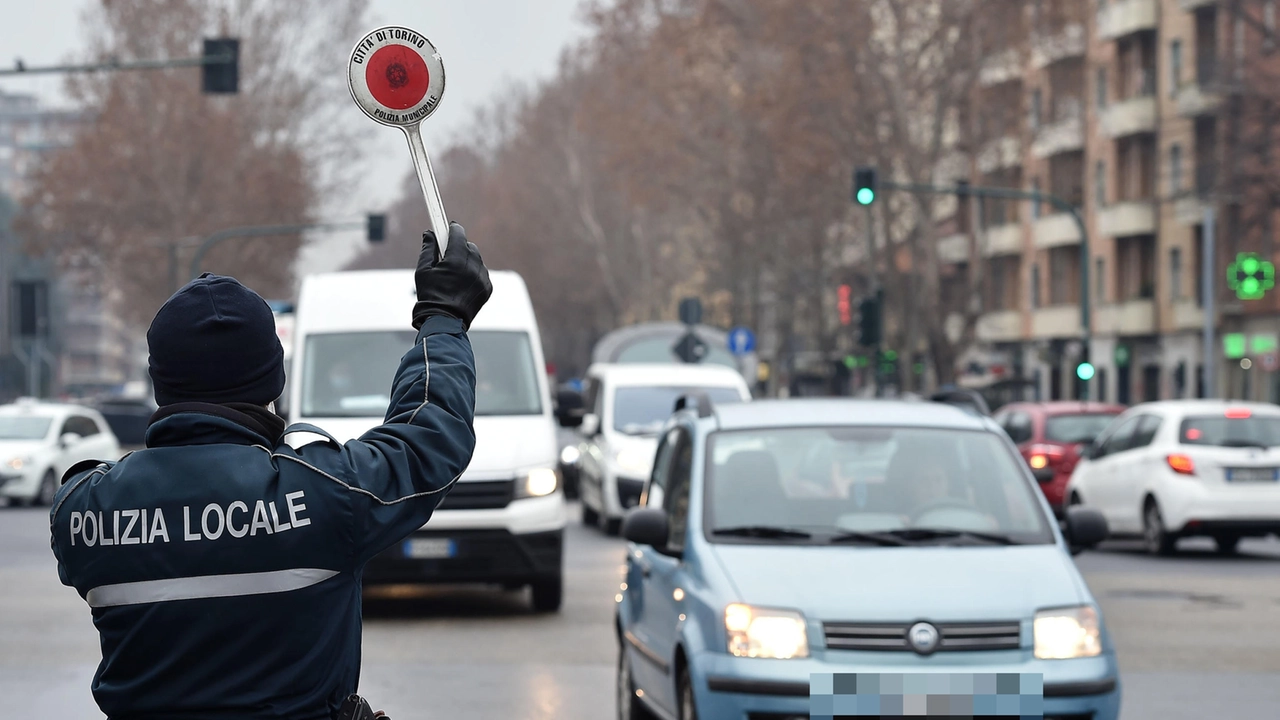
{"type": "Point", "coordinates": [1050, 436]}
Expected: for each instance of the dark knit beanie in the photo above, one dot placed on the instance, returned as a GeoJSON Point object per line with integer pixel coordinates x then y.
{"type": "Point", "coordinates": [215, 341]}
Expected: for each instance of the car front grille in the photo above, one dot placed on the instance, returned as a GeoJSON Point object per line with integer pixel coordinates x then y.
{"type": "Point", "coordinates": [479, 495]}
{"type": "Point", "coordinates": [954, 637]}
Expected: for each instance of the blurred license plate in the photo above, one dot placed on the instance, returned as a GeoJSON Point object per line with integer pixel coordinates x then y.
{"type": "Point", "coordinates": [1251, 474]}
{"type": "Point", "coordinates": [429, 548]}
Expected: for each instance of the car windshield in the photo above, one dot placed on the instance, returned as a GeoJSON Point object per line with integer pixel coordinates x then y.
{"type": "Point", "coordinates": [885, 484]}
{"type": "Point", "coordinates": [642, 410]}
{"type": "Point", "coordinates": [1081, 428]}
{"type": "Point", "coordinates": [1223, 431]}
{"type": "Point", "coordinates": [349, 374]}
{"type": "Point", "coordinates": [23, 427]}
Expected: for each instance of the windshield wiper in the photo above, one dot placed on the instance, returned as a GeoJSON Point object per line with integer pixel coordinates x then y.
{"type": "Point", "coordinates": [875, 538]}
{"type": "Point", "coordinates": [763, 531]}
{"type": "Point", "coordinates": [910, 534]}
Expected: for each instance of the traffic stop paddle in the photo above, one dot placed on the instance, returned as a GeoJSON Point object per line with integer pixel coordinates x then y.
{"type": "Point", "coordinates": [397, 78]}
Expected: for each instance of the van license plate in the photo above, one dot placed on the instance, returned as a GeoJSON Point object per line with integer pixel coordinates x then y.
{"type": "Point", "coordinates": [429, 548]}
{"type": "Point", "coordinates": [1251, 474]}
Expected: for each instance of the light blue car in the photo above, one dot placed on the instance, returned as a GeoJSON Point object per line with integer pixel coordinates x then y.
{"type": "Point", "coordinates": [780, 539]}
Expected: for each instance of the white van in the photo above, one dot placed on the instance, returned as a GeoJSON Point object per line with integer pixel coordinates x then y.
{"type": "Point", "coordinates": [503, 522]}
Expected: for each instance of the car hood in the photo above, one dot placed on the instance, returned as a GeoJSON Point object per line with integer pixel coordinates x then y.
{"type": "Point", "coordinates": [505, 444]}
{"type": "Point", "coordinates": [10, 449]}
{"type": "Point", "coordinates": [861, 584]}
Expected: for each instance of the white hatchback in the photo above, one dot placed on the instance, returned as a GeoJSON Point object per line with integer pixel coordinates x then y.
{"type": "Point", "coordinates": [1168, 470]}
{"type": "Point", "coordinates": [39, 441]}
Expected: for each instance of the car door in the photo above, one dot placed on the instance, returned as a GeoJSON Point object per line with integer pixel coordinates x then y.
{"type": "Point", "coordinates": [591, 454]}
{"type": "Point", "coordinates": [1133, 470]}
{"type": "Point", "coordinates": [1101, 489]}
{"type": "Point", "coordinates": [648, 669]}
{"type": "Point", "coordinates": [664, 591]}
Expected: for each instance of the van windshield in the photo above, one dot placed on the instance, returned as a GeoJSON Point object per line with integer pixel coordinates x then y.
{"type": "Point", "coordinates": [349, 374]}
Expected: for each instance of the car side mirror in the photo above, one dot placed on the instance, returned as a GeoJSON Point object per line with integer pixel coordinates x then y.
{"type": "Point", "coordinates": [590, 425]}
{"type": "Point", "coordinates": [1085, 528]}
{"type": "Point", "coordinates": [1089, 451]}
{"type": "Point", "coordinates": [647, 526]}
{"type": "Point", "coordinates": [68, 439]}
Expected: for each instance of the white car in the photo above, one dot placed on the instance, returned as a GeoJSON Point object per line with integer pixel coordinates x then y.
{"type": "Point", "coordinates": [1168, 470]}
{"type": "Point", "coordinates": [39, 441]}
{"type": "Point", "coordinates": [626, 407]}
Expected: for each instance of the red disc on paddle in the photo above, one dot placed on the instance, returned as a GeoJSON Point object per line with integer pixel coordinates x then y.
{"type": "Point", "coordinates": [397, 76]}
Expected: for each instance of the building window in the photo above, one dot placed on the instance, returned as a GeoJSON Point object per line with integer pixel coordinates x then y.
{"type": "Point", "coordinates": [1175, 169]}
{"type": "Point", "coordinates": [1034, 119]}
{"type": "Point", "coordinates": [1035, 285]}
{"type": "Point", "coordinates": [1100, 183]}
{"type": "Point", "coordinates": [1239, 46]}
{"type": "Point", "coordinates": [1269, 25]}
{"type": "Point", "coordinates": [1175, 273]}
{"type": "Point", "coordinates": [1175, 66]}
{"type": "Point", "coordinates": [1064, 275]}
{"type": "Point", "coordinates": [1100, 280]}
{"type": "Point", "coordinates": [1101, 88]}
{"type": "Point", "coordinates": [1035, 204]}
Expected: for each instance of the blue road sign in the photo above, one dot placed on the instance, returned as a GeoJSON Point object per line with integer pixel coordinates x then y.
{"type": "Point", "coordinates": [741, 341]}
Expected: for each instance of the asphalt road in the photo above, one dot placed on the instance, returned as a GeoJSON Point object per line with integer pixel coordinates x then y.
{"type": "Point", "coordinates": [1197, 634]}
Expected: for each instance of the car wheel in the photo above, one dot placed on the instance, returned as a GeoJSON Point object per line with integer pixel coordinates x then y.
{"type": "Point", "coordinates": [1227, 544]}
{"type": "Point", "coordinates": [1156, 539]}
{"type": "Point", "coordinates": [590, 517]}
{"type": "Point", "coordinates": [548, 594]}
{"type": "Point", "coordinates": [629, 706]}
{"type": "Point", "coordinates": [684, 687]}
{"type": "Point", "coordinates": [48, 489]}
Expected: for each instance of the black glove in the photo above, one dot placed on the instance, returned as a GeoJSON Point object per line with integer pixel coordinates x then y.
{"type": "Point", "coordinates": [457, 285]}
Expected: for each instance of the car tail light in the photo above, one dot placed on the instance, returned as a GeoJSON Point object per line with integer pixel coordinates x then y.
{"type": "Point", "coordinates": [1181, 464]}
{"type": "Point", "coordinates": [1042, 456]}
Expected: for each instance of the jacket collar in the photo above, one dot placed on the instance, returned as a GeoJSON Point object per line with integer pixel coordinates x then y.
{"type": "Point", "coordinates": [207, 424]}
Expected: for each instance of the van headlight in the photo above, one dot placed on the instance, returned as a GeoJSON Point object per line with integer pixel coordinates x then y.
{"type": "Point", "coordinates": [569, 456]}
{"type": "Point", "coordinates": [633, 461]}
{"type": "Point", "coordinates": [1064, 633]}
{"type": "Point", "coordinates": [765, 633]}
{"type": "Point", "coordinates": [538, 482]}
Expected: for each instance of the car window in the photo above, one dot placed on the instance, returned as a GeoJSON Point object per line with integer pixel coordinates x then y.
{"type": "Point", "coordinates": [591, 396]}
{"type": "Point", "coordinates": [1118, 440]}
{"type": "Point", "coordinates": [831, 480]}
{"type": "Point", "coordinates": [643, 409]}
{"type": "Point", "coordinates": [677, 500]}
{"type": "Point", "coordinates": [24, 427]}
{"type": "Point", "coordinates": [1223, 431]}
{"type": "Point", "coordinates": [1145, 432]}
{"type": "Point", "coordinates": [80, 425]}
{"type": "Point", "coordinates": [1077, 428]}
{"type": "Point", "coordinates": [655, 491]}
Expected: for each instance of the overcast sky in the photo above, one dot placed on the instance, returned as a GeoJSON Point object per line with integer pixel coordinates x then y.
{"type": "Point", "coordinates": [486, 44]}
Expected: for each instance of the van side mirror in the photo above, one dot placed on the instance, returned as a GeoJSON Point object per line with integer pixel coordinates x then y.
{"type": "Point", "coordinates": [1085, 527]}
{"type": "Point", "coordinates": [569, 408]}
{"type": "Point", "coordinates": [590, 425]}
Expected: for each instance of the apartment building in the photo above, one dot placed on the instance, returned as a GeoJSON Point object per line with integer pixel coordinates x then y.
{"type": "Point", "coordinates": [1135, 113]}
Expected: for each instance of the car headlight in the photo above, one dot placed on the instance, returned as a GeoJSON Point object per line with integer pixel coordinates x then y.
{"type": "Point", "coordinates": [633, 461]}
{"type": "Point", "coordinates": [18, 463]}
{"type": "Point", "coordinates": [765, 633]}
{"type": "Point", "coordinates": [1064, 633]}
{"type": "Point", "coordinates": [569, 455]}
{"type": "Point", "coordinates": [538, 482]}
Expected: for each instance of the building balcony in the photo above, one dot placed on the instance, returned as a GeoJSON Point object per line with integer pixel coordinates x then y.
{"type": "Point", "coordinates": [1003, 239]}
{"type": "Point", "coordinates": [1001, 154]}
{"type": "Point", "coordinates": [1133, 116]}
{"type": "Point", "coordinates": [1065, 135]}
{"type": "Point", "coordinates": [1056, 321]}
{"type": "Point", "coordinates": [1067, 43]}
{"type": "Point", "coordinates": [1193, 5]}
{"type": "Point", "coordinates": [1133, 317]}
{"type": "Point", "coordinates": [1134, 217]}
{"type": "Point", "coordinates": [999, 326]}
{"type": "Point", "coordinates": [1055, 230]}
{"type": "Point", "coordinates": [1126, 17]}
{"type": "Point", "coordinates": [1196, 99]}
{"type": "Point", "coordinates": [1187, 315]}
{"type": "Point", "coordinates": [1000, 68]}
{"type": "Point", "coordinates": [953, 248]}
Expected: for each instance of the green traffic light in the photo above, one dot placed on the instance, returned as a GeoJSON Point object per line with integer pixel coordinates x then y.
{"type": "Point", "coordinates": [1085, 371]}
{"type": "Point", "coordinates": [866, 195]}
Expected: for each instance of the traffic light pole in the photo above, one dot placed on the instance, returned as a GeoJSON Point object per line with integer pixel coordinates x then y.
{"type": "Point", "coordinates": [263, 231]}
{"type": "Point", "coordinates": [21, 69]}
{"type": "Point", "coordinates": [1207, 265]}
{"type": "Point", "coordinates": [1058, 203]}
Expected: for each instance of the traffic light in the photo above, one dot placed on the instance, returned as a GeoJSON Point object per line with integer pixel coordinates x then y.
{"type": "Point", "coordinates": [1085, 370]}
{"type": "Point", "coordinates": [844, 304]}
{"type": "Point", "coordinates": [376, 228]}
{"type": "Point", "coordinates": [864, 185]}
{"type": "Point", "coordinates": [869, 316]}
{"type": "Point", "coordinates": [220, 73]}
{"type": "Point", "coordinates": [1250, 276]}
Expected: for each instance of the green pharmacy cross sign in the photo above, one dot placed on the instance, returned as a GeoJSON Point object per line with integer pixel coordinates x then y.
{"type": "Point", "coordinates": [1250, 276]}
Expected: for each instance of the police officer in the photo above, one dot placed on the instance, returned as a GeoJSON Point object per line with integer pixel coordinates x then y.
{"type": "Point", "coordinates": [221, 565]}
